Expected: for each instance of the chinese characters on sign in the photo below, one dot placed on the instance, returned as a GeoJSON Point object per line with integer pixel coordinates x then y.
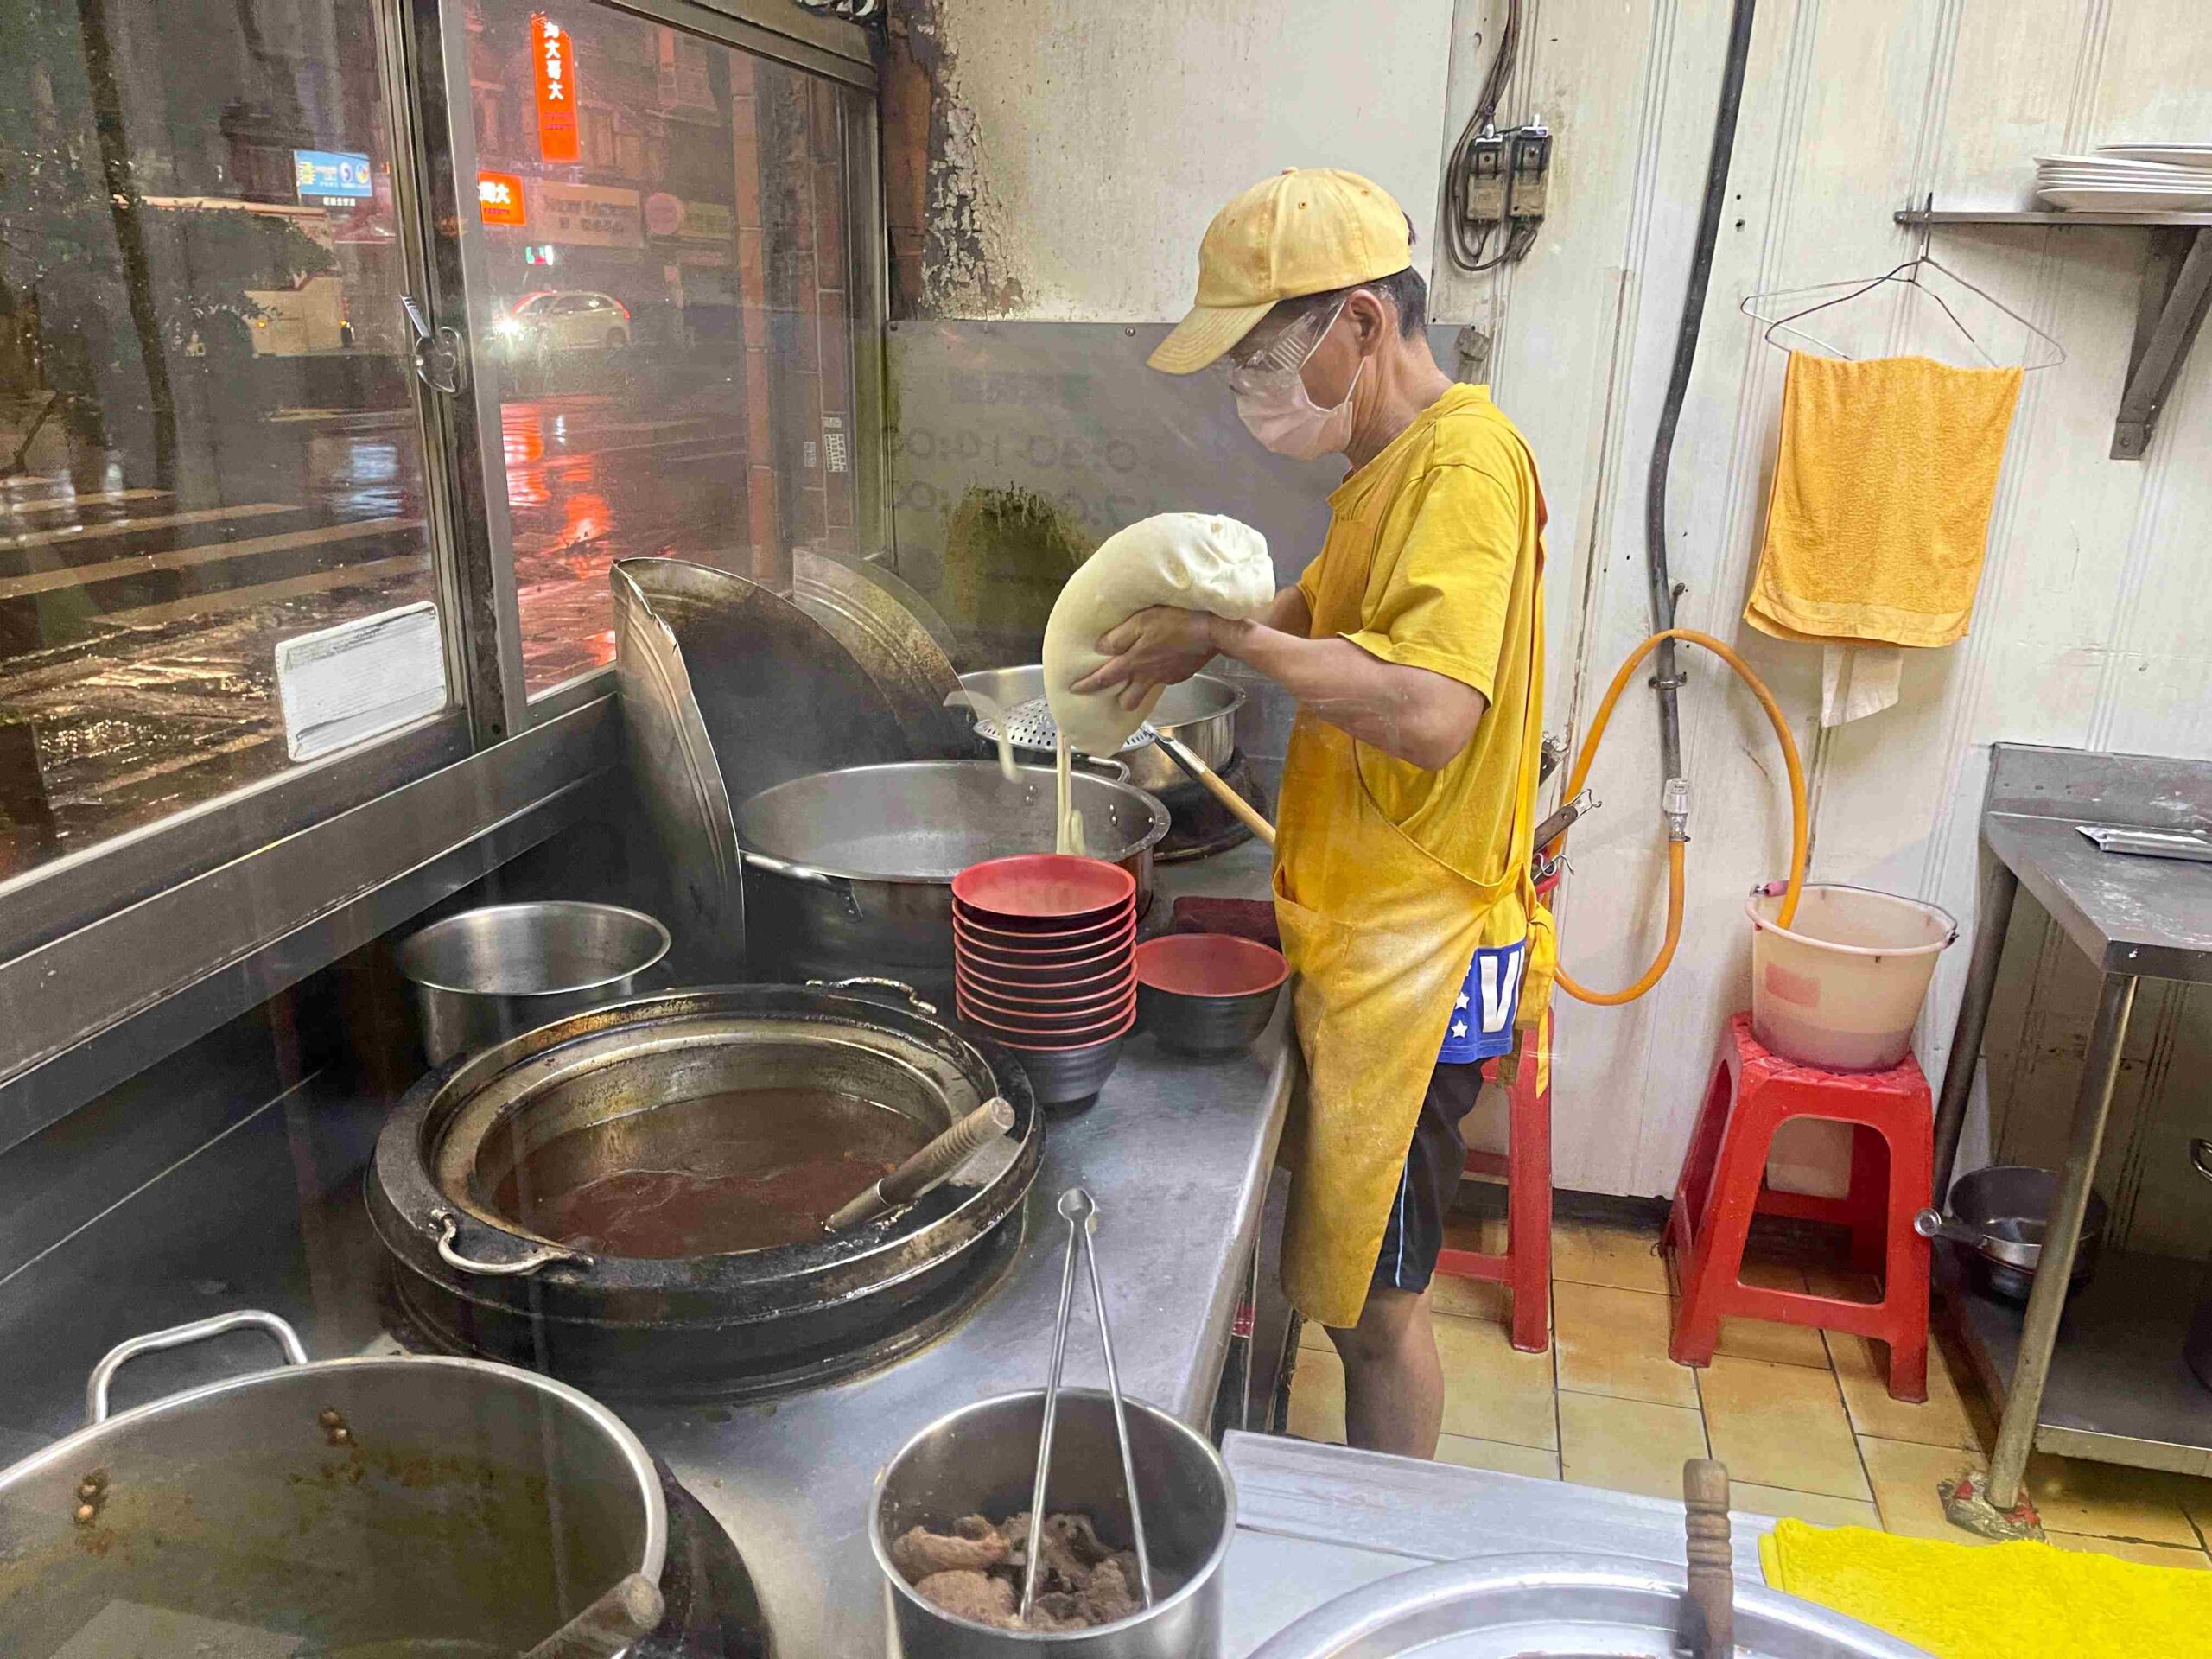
{"type": "Point", "coordinates": [554, 62]}
{"type": "Point", "coordinates": [332, 176]}
{"type": "Point", "coordinates": [498, 196]}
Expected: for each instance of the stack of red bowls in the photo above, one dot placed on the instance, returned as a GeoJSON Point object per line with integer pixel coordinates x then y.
{"type": "Point", "coordinates": [1044, 956]}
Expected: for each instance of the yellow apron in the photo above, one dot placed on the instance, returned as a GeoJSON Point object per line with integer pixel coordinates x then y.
{"type": "Point", "coordinates": [1380, 938]}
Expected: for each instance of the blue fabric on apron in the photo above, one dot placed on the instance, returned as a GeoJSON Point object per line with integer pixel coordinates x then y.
{"type": "Point", "coordinates": [1482, 1019]}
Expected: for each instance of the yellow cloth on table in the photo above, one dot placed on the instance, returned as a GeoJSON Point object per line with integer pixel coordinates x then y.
{"type": "Point", "coordinates": [1883, 486]}
{"type": "Point", "coordinates": [1994, 1601]}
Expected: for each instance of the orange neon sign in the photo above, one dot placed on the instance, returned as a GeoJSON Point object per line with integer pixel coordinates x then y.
{"type": "Point", "coordinates": [553, 64]}
{"type": "Point", "coordinates": [498, 198]}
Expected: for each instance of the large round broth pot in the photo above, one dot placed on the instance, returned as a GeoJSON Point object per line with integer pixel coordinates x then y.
{"type": "Point", "coordinates": [851, 872]}
{"type": "Point", "coordinates": [506, 1187]}
{"type": "Point", "coordinates": [373, 1506]}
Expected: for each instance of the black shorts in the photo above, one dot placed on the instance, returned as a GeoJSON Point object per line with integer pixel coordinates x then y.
{"type": "Point", "coordinates": [1430, 1180]}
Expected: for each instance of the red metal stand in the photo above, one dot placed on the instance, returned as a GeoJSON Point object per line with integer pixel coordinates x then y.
{"type": "Point", "coordinates": [1525, 1268]}
{"type": "Point", "coordinates": [1753, 1093]}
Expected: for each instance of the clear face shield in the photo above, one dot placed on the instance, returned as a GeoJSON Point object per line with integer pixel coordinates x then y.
{"type": "Point", "coordinates": [1271, 396]}
{"type": "Point", "coordinates": [1268, 359]}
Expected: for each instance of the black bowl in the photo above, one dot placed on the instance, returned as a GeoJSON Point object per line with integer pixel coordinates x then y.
{"type": "Point", "coordinates": [1205, 1026]}
{"type": "Point", "coordinates": [1068, 1079]}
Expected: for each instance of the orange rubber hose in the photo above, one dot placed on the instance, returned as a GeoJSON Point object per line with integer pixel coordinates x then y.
{"type": "Point", "coordinates": [1798, 814]}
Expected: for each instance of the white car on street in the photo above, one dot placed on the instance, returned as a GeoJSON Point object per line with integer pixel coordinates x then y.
{"type": "Point", "coordinates": [564, 320]}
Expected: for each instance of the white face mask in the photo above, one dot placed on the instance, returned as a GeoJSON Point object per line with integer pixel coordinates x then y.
{"type": "Point", "coordinates": [1275, 408]}
{"type": "Point", "coordinates": [1286, 420]}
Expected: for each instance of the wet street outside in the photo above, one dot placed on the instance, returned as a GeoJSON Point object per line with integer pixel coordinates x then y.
{"type": "Point", "coordinates": [138, 627]}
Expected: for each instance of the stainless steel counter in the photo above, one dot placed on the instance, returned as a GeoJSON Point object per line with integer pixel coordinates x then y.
{"type": "Point", "coordinates": [271, 1215]}
{"type": "Point", "coordinates": [2129, 914]}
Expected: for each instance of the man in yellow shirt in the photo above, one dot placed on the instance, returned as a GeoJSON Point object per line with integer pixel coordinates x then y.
{"type": "Point", "coordinates": [1414, 646]}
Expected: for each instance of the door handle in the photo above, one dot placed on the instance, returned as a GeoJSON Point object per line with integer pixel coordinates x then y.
{"type": "Point", "coordinates": [440, 362]}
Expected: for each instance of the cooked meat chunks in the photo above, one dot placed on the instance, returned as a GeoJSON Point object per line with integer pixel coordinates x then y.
{"type": "Point", "coordinates": [975, 1572]}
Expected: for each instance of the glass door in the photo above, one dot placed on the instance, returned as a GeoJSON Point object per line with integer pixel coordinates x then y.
{"type": "Point", "coordinates": [216, 544]}
{"type": "Point", "coordinates": [663, 305]}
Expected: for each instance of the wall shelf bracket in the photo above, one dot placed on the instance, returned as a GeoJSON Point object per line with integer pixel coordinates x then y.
{"type": "Point", "coordinates": [2174, 295]}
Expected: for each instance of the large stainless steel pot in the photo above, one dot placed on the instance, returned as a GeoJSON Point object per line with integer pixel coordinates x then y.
{"type": "Point", "coordinates": [1527, 1606]}
{"type": "Point", "coordinates": [853, 869]}
{"type": "Point", "coordinates": [488, 973]}
{"type": "Point", "coordinates": [636, 1085]}
{"type": "Point", "coordinates": [374, 1506]}
{"type": "Point", "coordinates": [1200, 713]}
{"type": "Point", "coordinates": [980, 1459]}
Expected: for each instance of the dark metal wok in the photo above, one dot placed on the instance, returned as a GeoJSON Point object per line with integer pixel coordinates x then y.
{"type": "Point", "coordinates": [654, 1084]}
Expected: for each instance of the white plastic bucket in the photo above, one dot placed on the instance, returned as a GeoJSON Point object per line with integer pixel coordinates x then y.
{"type": "Point", "coordinates": [1842, 986]}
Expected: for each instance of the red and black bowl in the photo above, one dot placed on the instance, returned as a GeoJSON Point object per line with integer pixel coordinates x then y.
{"type": "Point", "coordinates": [1207, 994]}
{"type": "Point", "coordinates": [1042, 893]}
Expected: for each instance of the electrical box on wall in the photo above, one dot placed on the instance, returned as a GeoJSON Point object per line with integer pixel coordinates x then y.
{"type": "Point", "coordinates": [1503, 183]}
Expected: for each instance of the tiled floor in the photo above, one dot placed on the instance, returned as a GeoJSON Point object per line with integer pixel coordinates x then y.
{"type": "Point", "coordinates": [1801, 1419]}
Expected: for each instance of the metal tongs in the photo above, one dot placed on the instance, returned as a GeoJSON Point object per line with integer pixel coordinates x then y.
{"type": "Point", "coordinates": [1081, 1210]}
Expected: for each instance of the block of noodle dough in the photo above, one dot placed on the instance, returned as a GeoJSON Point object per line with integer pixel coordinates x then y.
{"type": "Point", "coordinates": [1196, 561]}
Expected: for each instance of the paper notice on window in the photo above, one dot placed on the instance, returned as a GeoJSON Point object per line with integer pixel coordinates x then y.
{"type": "Point", "coordinates": [344, 685]}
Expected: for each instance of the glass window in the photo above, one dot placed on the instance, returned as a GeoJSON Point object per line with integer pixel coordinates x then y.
{"type": "Point", "coordinates": [688, 212]}
{"type": "Point", "coordinates": [209, 445]}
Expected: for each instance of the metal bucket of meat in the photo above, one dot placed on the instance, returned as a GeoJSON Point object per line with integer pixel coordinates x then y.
{"type": "Point", "coordinates": [950, 1531]}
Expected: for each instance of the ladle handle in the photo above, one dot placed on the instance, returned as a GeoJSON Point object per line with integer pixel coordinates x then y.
{"type": "Point", "coordinates": [1933, 1223]}
{"type": "Point", "coordinates": [629, 1609]}
{"type": "Point", "coordinates": [933, 1164]}
{"type": "Point", "coordinates": [1712, 1609]}
{"type": "Point", "coordinates": [1249, 815]}
{"type": "Point", "coordinates": [2200, 1156]}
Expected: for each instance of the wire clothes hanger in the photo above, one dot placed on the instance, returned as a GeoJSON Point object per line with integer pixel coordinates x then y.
{"type": "Point", "coordinates": [1907, 274]}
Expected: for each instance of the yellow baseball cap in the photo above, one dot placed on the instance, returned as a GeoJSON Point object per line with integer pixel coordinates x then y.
{"type": "Point", "coordinates": [1305, 230]}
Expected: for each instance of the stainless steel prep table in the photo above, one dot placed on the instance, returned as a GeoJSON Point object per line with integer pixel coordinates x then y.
{"type": "Point", "coordinates": [1176, 1153]}
{"type": "Point", "coordinates": [2109, 1385]}
{"type": "Point", "coordinates": [1316, 1522]}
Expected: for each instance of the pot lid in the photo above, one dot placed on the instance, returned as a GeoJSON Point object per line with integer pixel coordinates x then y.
{"type": "Point", "coordinates": [728, 688]}
{"type": "Point", "coordinates": [893, 636]}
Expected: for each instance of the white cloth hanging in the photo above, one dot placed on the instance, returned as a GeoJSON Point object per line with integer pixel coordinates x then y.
{"type": "Point", "coordinates": [1858, 680]}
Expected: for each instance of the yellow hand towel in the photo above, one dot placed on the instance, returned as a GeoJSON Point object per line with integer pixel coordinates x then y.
{"type": "Point", "coordinates": [1883, 486]}
{"type": "Point", "coordinates": [1994, 1601]}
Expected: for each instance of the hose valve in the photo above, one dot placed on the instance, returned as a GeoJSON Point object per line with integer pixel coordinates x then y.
{"type": "Point", "coordinates": [1674, 802]}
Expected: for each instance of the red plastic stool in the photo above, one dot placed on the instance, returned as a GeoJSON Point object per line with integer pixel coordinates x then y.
{"type": "Point", "coordinates": [1525, 1268]}
{"type": "Point", "coordinates": [1753, 1093]}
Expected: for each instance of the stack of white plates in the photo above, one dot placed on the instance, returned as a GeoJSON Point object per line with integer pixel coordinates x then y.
{"type": "Point", "coordinates": [2129, 179]}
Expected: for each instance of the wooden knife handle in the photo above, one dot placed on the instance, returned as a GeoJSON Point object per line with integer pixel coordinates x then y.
{"type": "Point", "coordinates": [1712, 1608]}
